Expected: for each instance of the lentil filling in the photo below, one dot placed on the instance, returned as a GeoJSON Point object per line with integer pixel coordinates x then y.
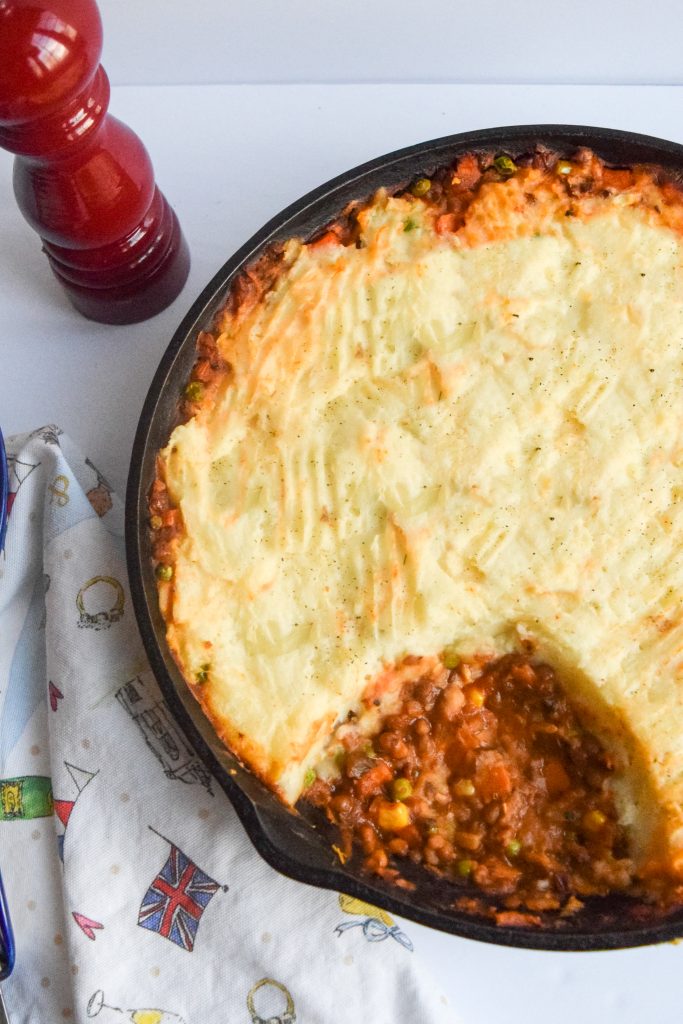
{"type": "Point", "coordinates": [485, 774]}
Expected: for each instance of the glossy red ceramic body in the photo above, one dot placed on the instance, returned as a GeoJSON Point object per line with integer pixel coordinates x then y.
{"type": "Point", "coordinates": [82, 179]}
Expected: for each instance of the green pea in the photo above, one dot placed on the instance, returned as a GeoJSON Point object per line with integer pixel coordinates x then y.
{"type": "Point", "coordinates": [505, 164]}
{"type": "Point", "coordinates": [465, 868]}
{"type": "Point", "coordinates": [513, 848]}
{"type": "Point", "coordinates": [421, 187]}
{"type": "Point", "coordinates": [402, 789]}
{"type": "Point", "coordinates": [450, 659]}
{"type": "Point", "coordinates": [164, 572]}
{"type": "Point", "coordinates": [203, 674]}
{"type": "Point", "coordinates": [310, 777]}
{"type": "Point", "coordinates": [194, 391]}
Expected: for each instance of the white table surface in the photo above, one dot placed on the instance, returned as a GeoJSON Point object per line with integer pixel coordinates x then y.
{"type": "Point", "coordinates": [228, 158]}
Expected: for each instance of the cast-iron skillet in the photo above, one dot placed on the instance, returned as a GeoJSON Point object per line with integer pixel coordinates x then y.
{"type": "Point", "coordinates": [289, 842]}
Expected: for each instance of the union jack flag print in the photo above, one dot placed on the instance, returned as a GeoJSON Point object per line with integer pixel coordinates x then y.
{"type": "Point", "coordinates": [176, 900]}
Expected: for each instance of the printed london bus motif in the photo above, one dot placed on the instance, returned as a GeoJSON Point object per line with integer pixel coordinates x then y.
{"type": "Point", "coordinates": [64, 808]}
{"type": "Point", "coordinates": [25, 797]}
{"type": "Point", "coordinates": [115, 1015]}
{"type": "Point", "coordinates": [26, 682]}
{"type": "Point", "coordinates": [270, 995]}
{"type": "Point", "coordinates": [176, 899]}
{"type": "Point", "coordinates": [99, 496]}
{"type": "Point", "coordinates": [150, 713]}
{"type": "Point", "coordinates": [377, 924]}
{"type": "Point", "coordinates": [100, 603]}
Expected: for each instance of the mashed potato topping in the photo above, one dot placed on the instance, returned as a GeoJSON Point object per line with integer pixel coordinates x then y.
{"type": "Point", "coordinates": [468, 439]}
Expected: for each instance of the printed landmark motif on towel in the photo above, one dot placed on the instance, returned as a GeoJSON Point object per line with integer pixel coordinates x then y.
{"type": "Point", "coordinates": [177, 898]}
{"type": "Point", "coordinates": [151, 715]}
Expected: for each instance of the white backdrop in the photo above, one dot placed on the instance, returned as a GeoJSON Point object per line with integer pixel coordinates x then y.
{"type": "Point", "coordinates": [591, 41]}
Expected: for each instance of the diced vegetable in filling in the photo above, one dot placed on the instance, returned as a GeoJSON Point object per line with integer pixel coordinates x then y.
{"type": "Point", "coordinates": [486, 774]}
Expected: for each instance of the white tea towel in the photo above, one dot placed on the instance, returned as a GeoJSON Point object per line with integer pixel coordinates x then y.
{"type": "Point", "coordinates": [134, 891]}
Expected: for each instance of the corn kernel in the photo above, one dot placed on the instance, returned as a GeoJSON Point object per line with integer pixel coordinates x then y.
{"type": "Point", "coordinates": [156, 522]}
{"type": "Point", "coordinates": [464, 787]}
{"type": "Point", "coordinates": [475, 696]}
{"type": "Point", "coordinates": [393, 817]}
{"type": "Point", "coordinates": [593, 821]}
{"type": "Point", "coordinates": [563, 167]}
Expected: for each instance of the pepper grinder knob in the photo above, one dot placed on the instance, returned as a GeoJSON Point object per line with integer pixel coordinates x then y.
{"type": "Point", "coordinates": [82, 179]}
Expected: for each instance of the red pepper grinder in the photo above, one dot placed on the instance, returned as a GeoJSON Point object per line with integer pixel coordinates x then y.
{"type": "Point", "coordinates": [82, 179]}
